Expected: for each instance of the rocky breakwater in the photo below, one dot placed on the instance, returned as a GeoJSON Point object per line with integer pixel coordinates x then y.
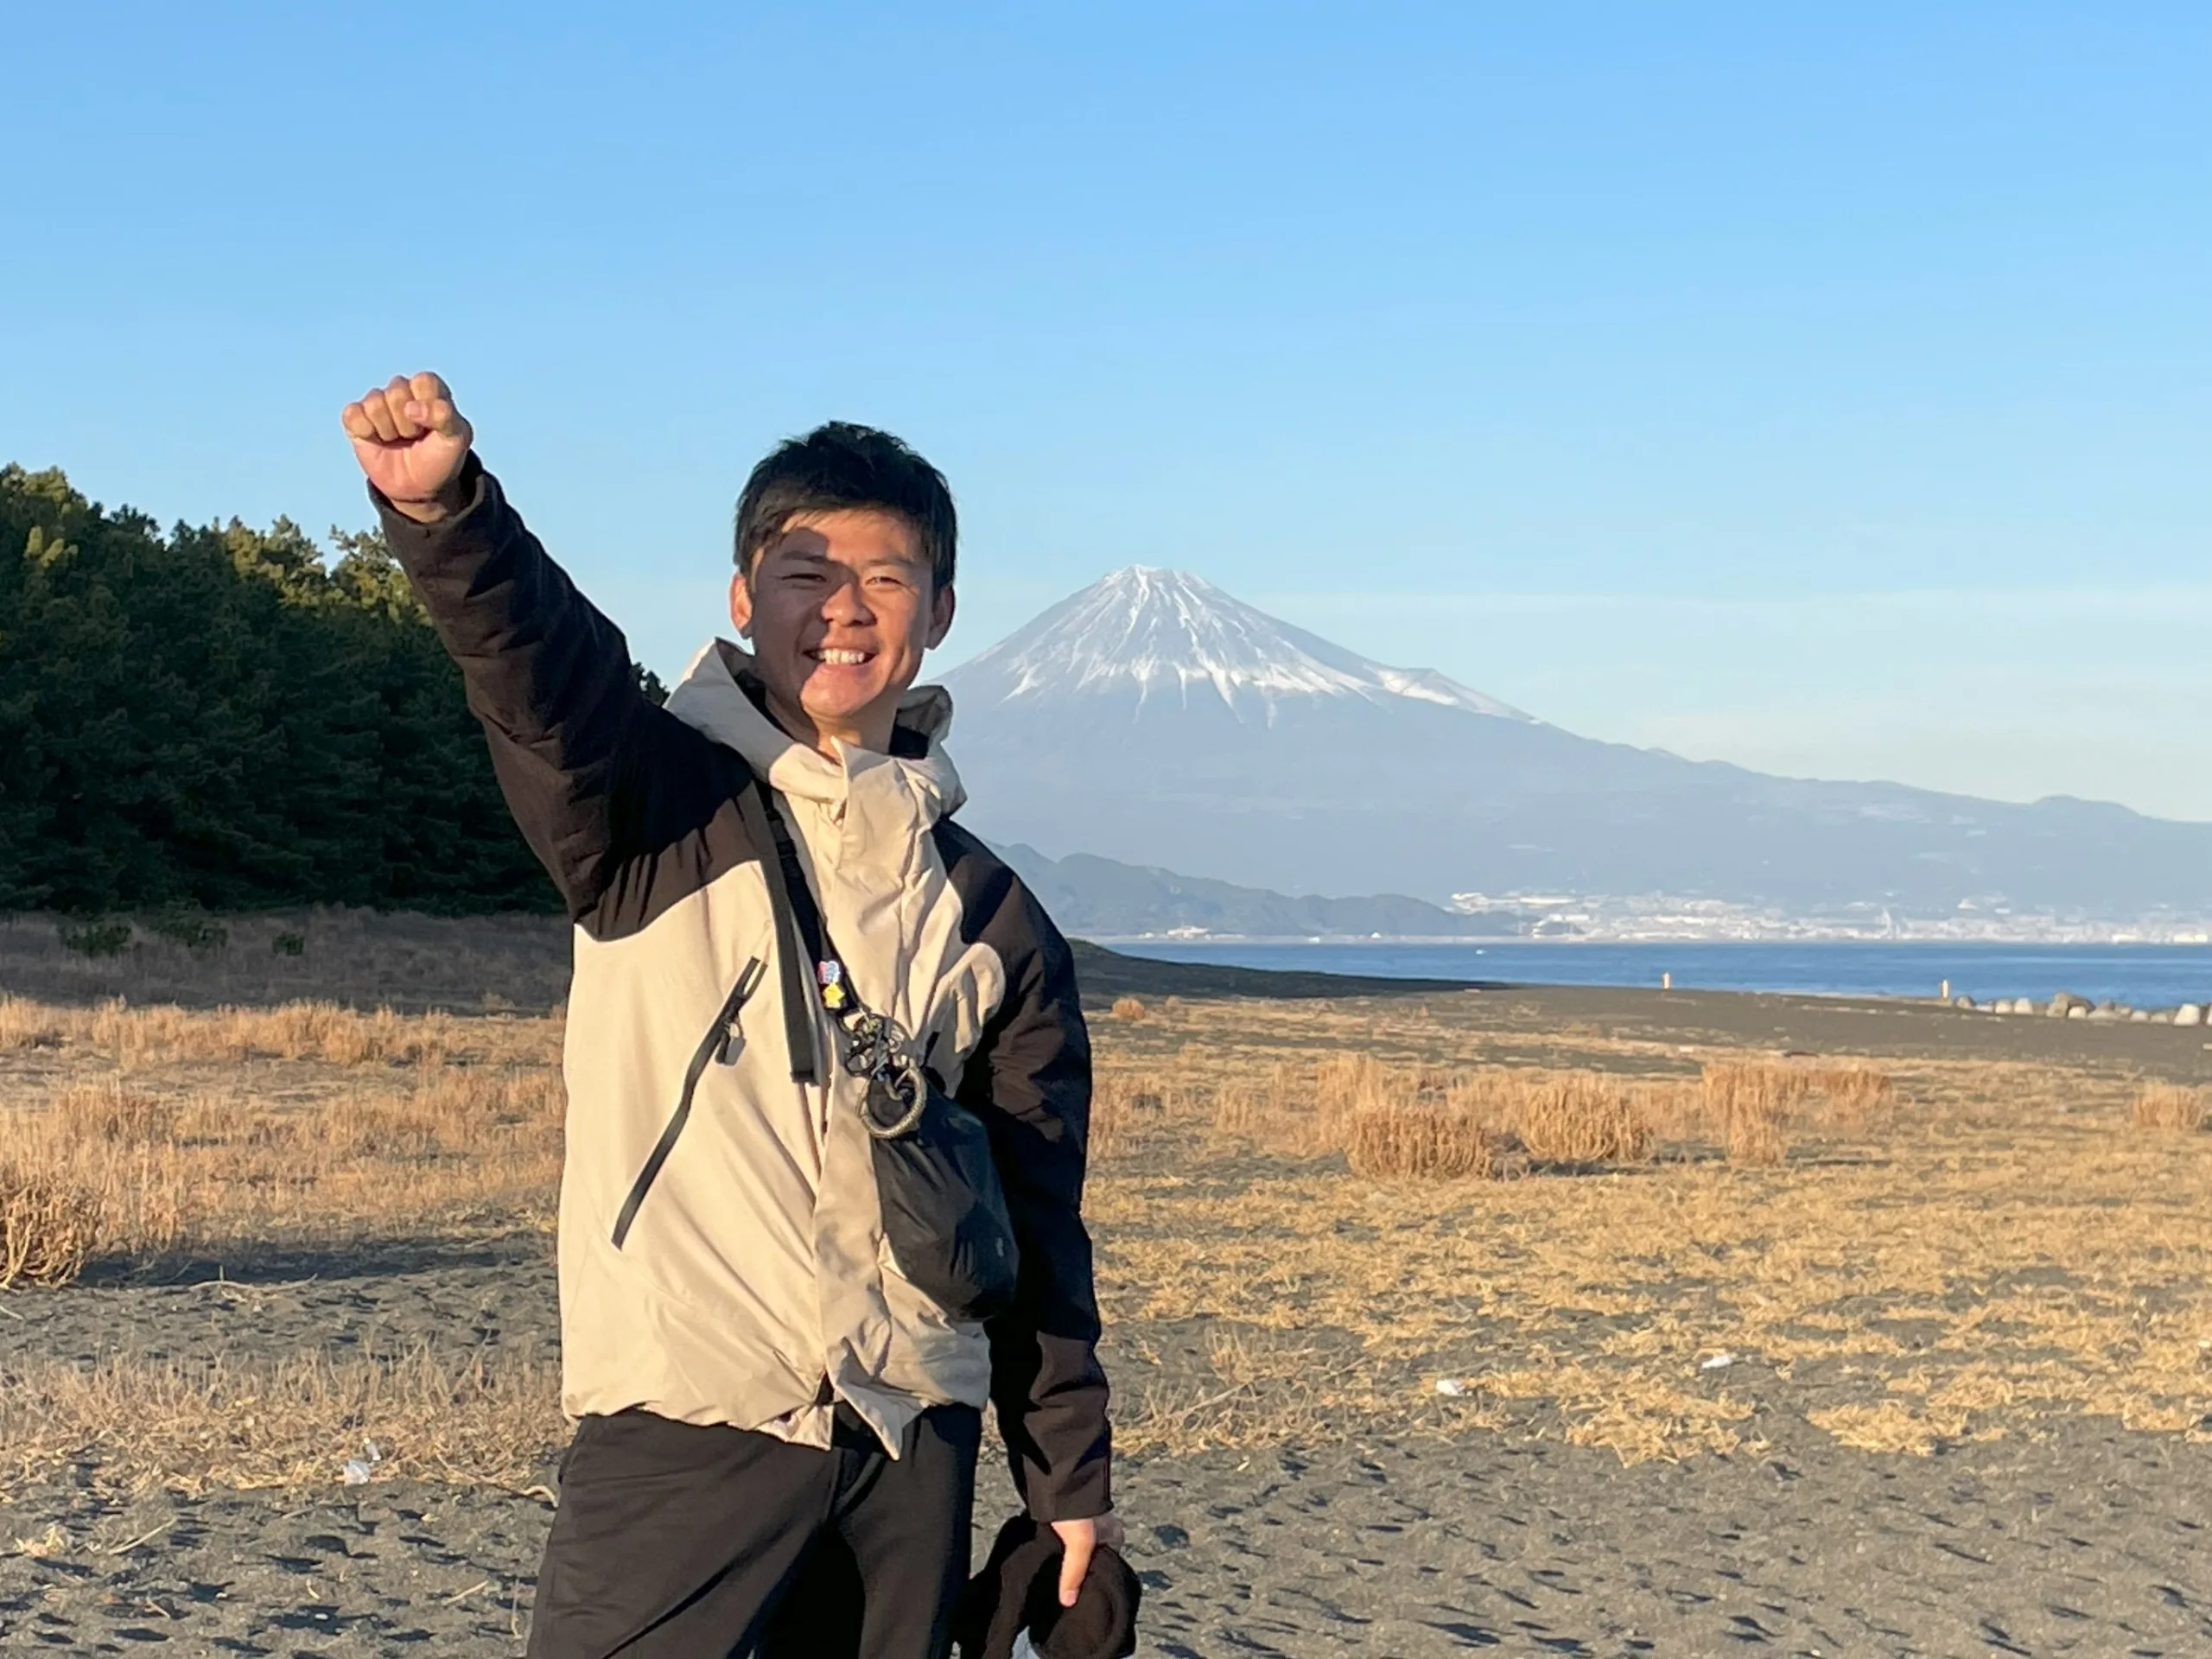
{"type": "Point", "coordinates": [2067, 1006]}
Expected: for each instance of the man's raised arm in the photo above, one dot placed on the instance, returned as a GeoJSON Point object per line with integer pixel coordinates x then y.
{"type": "Point", "coordinates": [547, 674]}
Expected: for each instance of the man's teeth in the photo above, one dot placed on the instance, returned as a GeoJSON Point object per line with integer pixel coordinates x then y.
{"type": "Point", "coordinates": [842, 658]}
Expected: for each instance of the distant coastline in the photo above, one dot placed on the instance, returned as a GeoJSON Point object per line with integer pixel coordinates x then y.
{"type": "Point", "coordinates": [2086, 935]}
{"type": "Point", "coordinates": [2126, 974]}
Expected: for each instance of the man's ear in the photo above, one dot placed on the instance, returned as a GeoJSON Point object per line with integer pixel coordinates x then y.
{"type": "Point", "coordinates": [741, 604]}
{"type": "Point", "coordinates": [942, 606]}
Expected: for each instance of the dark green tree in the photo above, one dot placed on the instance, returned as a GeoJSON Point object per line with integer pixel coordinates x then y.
{"type": "Point", "coordinates": [220, 717]}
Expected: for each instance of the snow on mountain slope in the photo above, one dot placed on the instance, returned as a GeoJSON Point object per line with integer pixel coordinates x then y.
{"type": "Point", "coordinates": [1167, 633]}
{"type": "Point", "coordinates": [1156, 720]}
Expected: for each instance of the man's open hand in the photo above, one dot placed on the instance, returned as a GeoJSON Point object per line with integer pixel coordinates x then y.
{"type": "Point", "coordinates": [410, 442]}
{"type": "Point", "coordinates": [1080, 1541]}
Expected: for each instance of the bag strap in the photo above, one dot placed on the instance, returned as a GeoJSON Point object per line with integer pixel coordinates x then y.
{"type": "Point", "coordinates": [806, 914]}
{"type": "Point", "coordinates": [821, 974]}
{"type": "Point", "coordinates": [875, 1048]}
{"type": "Point", "coordinates": [799, 932]}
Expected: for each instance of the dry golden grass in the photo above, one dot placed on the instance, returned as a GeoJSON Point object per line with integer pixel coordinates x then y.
{"type": "Point", "coordinates": [1344, 1082]}
{"type": "Point", "coordinates": [1240, 1110]}
{"type": "Point", "coordinates": [1128, 1008]}
{"type": "Point", "coordinates": [172, 1129]}
{"type": "Point", "coordinates": [2173, 1110]}
{"type": "Point", "coordinates": [49, 1227]}
{"type": "Point", "coordinates": [1574, 1117]}
{"type": "Point", "coordinates": [1259, 1387]}
{"type": "Point", "coordinates": [1668, 1207]}
{"type": "Point", "coordinates": [295, 1030]}
{"type": "Point", "coordinates": [1751, 1103]}
{"type": "Point", "coordinates": [108, 1111]}
{"type": "Point", "coordinates": [25, 1024]}
{"type": "Point", "coordinates": [292, 1422]}
{"type": "Point", "coordinates": [135, 1038]}
{"type": "Point", "coordinates": [139, 1133]}
{"type": "Point", "coordinates": [2046, 1260]}
{"type": "Point", "coordinates": [359, 958]}
{"type": "Point", "coordinates": [1396, 1142]}
{"type": "Point", "coordinates": [1129, 1109]}
{"type": "Point", "coordinates": [1858, 1096]}
{"type": "Point", "coordinates": [1413, 1122]}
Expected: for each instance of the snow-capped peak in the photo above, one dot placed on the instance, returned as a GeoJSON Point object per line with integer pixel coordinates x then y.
{"type": "Point", "coordinates": [1168, 633]}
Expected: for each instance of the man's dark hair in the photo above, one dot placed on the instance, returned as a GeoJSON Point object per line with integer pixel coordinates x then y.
{"type": "Point", "coordinates": [838, 467]}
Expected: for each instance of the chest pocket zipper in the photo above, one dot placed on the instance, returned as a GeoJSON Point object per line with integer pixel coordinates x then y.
{"type": "Point", "coordinates": [715, 1046]}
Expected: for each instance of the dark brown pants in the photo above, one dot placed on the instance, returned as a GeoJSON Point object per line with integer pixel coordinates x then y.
{"type": "Point", "coordinates": [679, 1541]}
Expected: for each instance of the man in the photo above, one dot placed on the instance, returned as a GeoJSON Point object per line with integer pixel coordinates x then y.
{"type": "Point", "coordinates": [757, 1387]}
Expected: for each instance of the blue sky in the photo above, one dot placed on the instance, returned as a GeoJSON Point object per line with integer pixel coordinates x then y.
{"type": "Point", "coordinates": [1825, 389]}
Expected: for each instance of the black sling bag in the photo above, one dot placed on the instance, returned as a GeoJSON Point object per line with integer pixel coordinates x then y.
{"type": "Point", "coordinates": [944, 1213]}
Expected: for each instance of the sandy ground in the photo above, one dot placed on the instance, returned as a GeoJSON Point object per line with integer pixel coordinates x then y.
{"type": "Point", "coordinates": [2070, 1535]}
{"type": "Point", "coordinates": [1829, 1026]}
{"type": "Point", "coordinates": [521, 963]}
{"type": "Point", "coordinates": [2091, 1544]}
{"type": "Point", "coordinates": [2089, 1547]}
{"type": "Point", "coordinates": [2086, 1540]}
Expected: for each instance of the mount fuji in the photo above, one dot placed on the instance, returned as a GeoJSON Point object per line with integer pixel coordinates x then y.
{"type": "Point", "coordinates": [1143, 632]}
{"type": "Point", "coordinates": [1155, 720]}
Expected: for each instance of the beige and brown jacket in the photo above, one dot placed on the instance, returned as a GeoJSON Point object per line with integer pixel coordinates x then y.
{"type": "Point", "coordinates": [721, 1257]}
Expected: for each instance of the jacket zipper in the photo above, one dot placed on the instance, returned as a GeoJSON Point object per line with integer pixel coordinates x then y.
{"type": "Point", "coordinates": [713, 1047]}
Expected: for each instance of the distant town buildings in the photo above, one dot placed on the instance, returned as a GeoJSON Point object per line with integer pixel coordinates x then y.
{"type": "Point", "coordinates": [1608, 918]}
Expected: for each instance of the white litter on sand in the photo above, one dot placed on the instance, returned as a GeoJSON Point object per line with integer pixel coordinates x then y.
{"type": "Point", "coordinates": [358, 1470]}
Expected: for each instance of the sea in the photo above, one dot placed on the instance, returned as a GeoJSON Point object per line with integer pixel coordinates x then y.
{"type": "Point", "coordinates": [2135, 975]}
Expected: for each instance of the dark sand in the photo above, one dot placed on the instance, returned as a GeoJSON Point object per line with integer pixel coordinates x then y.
{"type": "Point", "coordinates": [2081, 1538]}
{"type": "Point", "coordinates": [2089, 1541]}
{"type": "Point", "coordinates": [1692, 1020]}
{"type": "Point", "coordinates": [521, 963]}
{"type": "Point", "coordinates": [2091, 1544]}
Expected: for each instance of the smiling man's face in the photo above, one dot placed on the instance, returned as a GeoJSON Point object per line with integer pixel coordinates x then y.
{"type": "Point", "coordinates": [840, 607]}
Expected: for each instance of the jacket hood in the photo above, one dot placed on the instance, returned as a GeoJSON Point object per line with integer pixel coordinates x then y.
{"type": "Point", "coordinates": [712, 699]}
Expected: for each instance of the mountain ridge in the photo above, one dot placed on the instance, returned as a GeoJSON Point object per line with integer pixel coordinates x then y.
{"type": "Point", "coordinates": [1103, 899]}
{"type": "Point", "coordinates": [1145, 623]}
{"type": "Point", "coordinates": [1156, 720]}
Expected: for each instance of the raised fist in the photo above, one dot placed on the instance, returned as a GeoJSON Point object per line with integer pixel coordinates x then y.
{"type": "Point", "coordinates": [410, 442]}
